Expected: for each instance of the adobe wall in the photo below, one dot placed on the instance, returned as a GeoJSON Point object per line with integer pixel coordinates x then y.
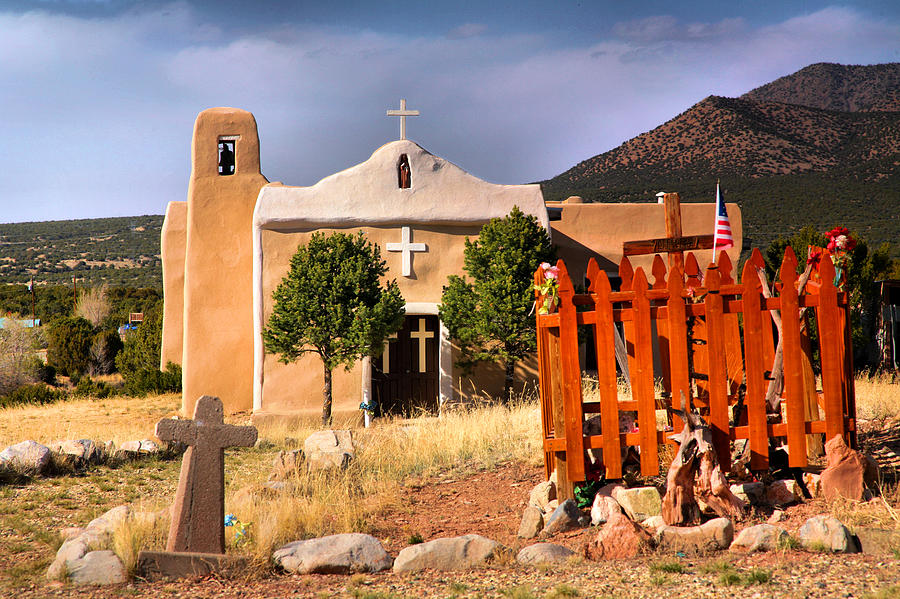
{"type": "Point", "coordinates": [598, 230]}
{"type": "Point", "coordinates": [173, 239]}
{"type": "Point", "coordinates": [218, 291]}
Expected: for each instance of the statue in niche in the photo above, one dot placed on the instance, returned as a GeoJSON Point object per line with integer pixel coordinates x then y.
{"type": "Point", "coordinates": [226, 158]}
{"type": "Point", "coordinates": [404, 176]}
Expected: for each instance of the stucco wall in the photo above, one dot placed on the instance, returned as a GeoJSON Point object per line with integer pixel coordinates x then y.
{"type": "Point", "coordinates": [218, 292]}
{"type": "Point", "coordinates": [173, 239]}
{"type": "Point", "coordinates": [598, 230]}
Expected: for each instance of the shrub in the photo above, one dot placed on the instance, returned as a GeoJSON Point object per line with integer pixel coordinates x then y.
{"type": "Point", "coordinates": [138, 362]}
{"type": "Point", "coordinates": [87, 387]}
{"type": "Point", "coordinates": [69, 345]}
{"type": "Point", "coordinates": [31, 394]}
{"type": "Point", "coordinates": [146, 381]}
{"type": "Point", "coordinates": [18, 362]}
{"type": "Point", "coordinates": [104, 348]}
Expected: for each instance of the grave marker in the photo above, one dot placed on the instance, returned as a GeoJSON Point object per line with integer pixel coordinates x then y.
{"type": "Point", "coordinates": [674, 243]}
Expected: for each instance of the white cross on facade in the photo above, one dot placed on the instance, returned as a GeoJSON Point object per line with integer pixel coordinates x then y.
{"type": "Point", "coordinates": [403, 113]}
{"type": "Point", "coordinates": [421, 335]}
{"type": "Point", "coordinates": [407, 248]}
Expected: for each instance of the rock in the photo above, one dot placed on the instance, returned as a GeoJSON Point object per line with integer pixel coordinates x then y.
{"type": "Point", "coordinates": [714, 535]}
{"type": "Point", "coordinates": [776, 517]}
{"type": "Point", "coordinates": [783, 492]}
{"type": "Point", "coordinates": [813, 483]}
{"type": "Point", "coordinates": [70, 532]}
{"type": "Point", "coordinates": [653, 523]}
{"type": "Point", "coordinates": [97, 568]}
{"type": "Point", "coordinates": [619, 538]}
{"type": "Point", "coordinates": [542, 494]}
{"type": "Point", "coordinates": [877, 541]}
{"type": "Point", "coordinates": [872, 474]}
{"type": "Point", "coordinates": [27, 457]}
{"type": "Point", "coordinates": [455, 553]}
{"type": "Point", "coordinates": [131, 450]}
{"type": "Point", "coordinates": [97, 532]}
{"type": "Point", "coordinates": [639, 503]}
{"type": "Point", "coordinates": [603, 508]}
{"type": "Point", "coordinates": [532, 523]}
{"type": "Point", "coordinates": [286, 465]}
{"type": "Point", "coordinates": [843, 477]}
{"type": "Point", "coordinates": [826, 533]}
{"type": "Point", "coordinates": [543, 553]}
{"type": "Point", "coordinates": [82, 450]}
{"type": "Point", "coordinates": [329, 449]}
{"type": "Point", "coordinates": [550, 507]}
{"type": "Point", "coordinates": [568, 516]}
{"type": "Point", "coordinates": [335, 554]}
{"type": "Point", "coordinates": [762, 537]}
{"type": "Point", "coordinates": [750, 493]}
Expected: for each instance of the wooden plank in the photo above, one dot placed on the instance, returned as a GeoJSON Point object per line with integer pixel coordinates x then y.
{"type": "Point", "coordinates": [626, 274]}
{"type": "Point", "coordinates": [829, 320]}
{"type": "Point", "coordinates": [718, 375]}
{"type": "Point", "coordinates": [667, 245]}
{"type": "Point", "coordinates": [768, 325]}
{"type": "Point", "coordinates": [793, 367]}
{"type": "Point", "coordinates": [642, 376]}
{"type": "Point", "coordinates": [662, 332]}
{"type": "Point", "coordinates": [571, 377]}
{"type": "Point", "coordinates": [814, 445]}
{"type": "Point", "coordinates": [563, 484]}
{"type": "Point", "coordinates": [672, 202]}
{"type": "Point", "coordinates": [604, 336]}
{"type": "Point", "coordinates": [755, 399]}
{"type": "Point", "coordinates": [676, 324]}
{"type": "Point", "coordinates": [734, 358]}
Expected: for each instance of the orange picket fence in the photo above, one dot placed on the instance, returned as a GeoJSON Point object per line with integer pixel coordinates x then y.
{"type": "Point", "coordinates": [715, 342]}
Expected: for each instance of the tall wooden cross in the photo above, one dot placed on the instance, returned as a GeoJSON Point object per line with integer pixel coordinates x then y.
{"type": "Point", "coordinates": [421, 335]}
{"type": "Point", "coordinates": [674, 243]}
{"type": "Point", "coordinates": [403, 113]}
{"type": "Point", "coordinates": [198, 521]}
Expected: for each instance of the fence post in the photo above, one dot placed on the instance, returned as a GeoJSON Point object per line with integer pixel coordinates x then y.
{"type": "Point", "coordinates": [571, 381]}
{"type": "Point", "coordinates": [718, 374]}
{"type": "Point", "coordinates": [678, 345]}
{"type": "Point", "coordinates": [830, 340]}
{"type": "Point", "coordinates": [755, 319]}
{"type": "Point", "coordinates": [642, 375]}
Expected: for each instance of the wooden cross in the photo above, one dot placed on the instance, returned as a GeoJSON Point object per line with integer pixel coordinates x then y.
{"type": "Point", "coordinates": [421, 335]}
{"type": "Point", "coordinates": [403, 113]}
{"type": "Point", "coordinates": [198, 521]}
{"type": "Point", "coordinates": [407, 248]}
{"type": "Point", "coordinates": [674, 243]}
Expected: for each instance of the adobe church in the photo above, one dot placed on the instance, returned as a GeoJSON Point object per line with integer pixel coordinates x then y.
{"type": "Point", "coordinates": [228, 246]}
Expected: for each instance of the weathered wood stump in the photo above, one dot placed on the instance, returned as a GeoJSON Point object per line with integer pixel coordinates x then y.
{"type": "Point", "coordinates": [695, 472]}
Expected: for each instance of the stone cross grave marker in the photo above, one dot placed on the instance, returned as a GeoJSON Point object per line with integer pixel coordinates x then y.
{"type": "Point", "coordinates": [674, 243]}
{"type": "Point", "coordinates": [198, 521]}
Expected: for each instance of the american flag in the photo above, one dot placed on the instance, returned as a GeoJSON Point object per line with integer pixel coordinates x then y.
{"type": "Point", "coordinates": [722, 239]}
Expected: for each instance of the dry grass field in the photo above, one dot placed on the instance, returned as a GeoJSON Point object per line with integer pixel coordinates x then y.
{"type": "Point", "coordinates": [393, 457]}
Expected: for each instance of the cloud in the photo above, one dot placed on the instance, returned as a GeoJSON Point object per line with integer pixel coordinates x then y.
{"type": "Point", "coordinates": [99, 111]}
{"type": "Point", "coordinates": [467, 30]}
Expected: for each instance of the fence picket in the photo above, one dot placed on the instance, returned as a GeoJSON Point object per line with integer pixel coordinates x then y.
{"type": "Point", "coordinates": [755, 399]}
{"type": "Point", "coordinates": [734, 359]}
{"type": "Point", "coordinates": [829, 318]}
{"type": "Point", "coordinates": [757, 261]}
{"type": "Point", "coordinates": [642, 375]}
{"type": "Point", "coordinates": [680, 381]}
{"type": "Point", "coordinates": [793, 366]}
{"type": "Point", "coordinates": [606, 370]}
{"type": "Point", "coordinates": [718, 374]}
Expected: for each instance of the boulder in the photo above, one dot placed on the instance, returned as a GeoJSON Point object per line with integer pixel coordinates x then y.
{"type": "Point", "coordinates": [603, 509]}
{"type": "Point", "coordinates": [877, 541]}
{"type": "Point", "coordinates": [81, 450]}
{"type": "Point", "coordinates": [550, 507]}
{"type": "Point", "coordinates": [776, 517]}
{"type": "Point", "coordinates": [286, 465]}
{"type": "Point", "coordinates": [542, 494]}
{"type": "Point", "coordinates": [568, 516]}
{"type": "Point", "coordinates": [131, 450]}
{"type": "Point", "coordinates": [532, 523]}
{"type": "Point", "coordinates": [97, 532]}
{"type": "Point", "coordinates": [619, 538]}
{"type": "Point", "coordinates": [843, 477]}
{"type": "Point", "coordinates": [97, 568]}
{"type": "Point", "coordinates": [653, 523]}
{"type": "Point", "coordinates": [27, 457]}
{"type": "Point", "coordinates": [783, 492]}
{"type": "Point", "coordinates": [762, 537]}
{"type": "Point", "coordinates": [750, 493]}
{"type": "Point", "coordinates": [329, 449]}
{"type": "Point", "coordinates": [813, 483]}
{"type": "Point", "coordinates": [543, 553]}
{"type": "Point", "coordinates": [639, 503]}
{"type": "Point", "coordinates": [335, 554]}
{"type": "Point", "coordinates": [455, 553]}
{"type": "Point", "coordinates": [827, 533]}
{"type": "Point", "coordinates": [714, 535]}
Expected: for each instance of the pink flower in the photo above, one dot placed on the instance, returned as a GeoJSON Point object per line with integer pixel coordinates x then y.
{"type": "Point", "coordinates": [841, 242]}
{"type": "Point", "coordinates": [550, 272]}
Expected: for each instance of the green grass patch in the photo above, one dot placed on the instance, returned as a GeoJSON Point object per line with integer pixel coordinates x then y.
{"type": "Point", "coordinates": [668, 566]}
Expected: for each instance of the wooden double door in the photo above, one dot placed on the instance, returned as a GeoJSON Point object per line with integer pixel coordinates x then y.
{"type": "Point", "coordinates": [405, 376]}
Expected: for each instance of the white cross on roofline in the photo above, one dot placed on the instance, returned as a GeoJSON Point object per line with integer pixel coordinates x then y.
{"type": "Point", "coordinates": [403, 113]}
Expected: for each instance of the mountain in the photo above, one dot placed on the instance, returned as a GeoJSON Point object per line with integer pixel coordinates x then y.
{"type": "Point", "coordinates": [783, 152]}
{"type": "Point", "coordinates": [121, 252]}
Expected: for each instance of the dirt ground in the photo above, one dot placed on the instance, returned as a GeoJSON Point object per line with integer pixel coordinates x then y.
{"type": "Point", "coordinates": [490, 503]}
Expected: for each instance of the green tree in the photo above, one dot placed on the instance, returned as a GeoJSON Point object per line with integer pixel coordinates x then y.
{"type": "Point", "coordinates": [864, 267]}
{"type": "Point", "coordinates": [332, 303]}
{"type": "Point", "coordinates": [489, 317]}
{"type": "Point", "coordinates": [138, 362]}
{"type": "Point", "coordinates": [69, 345]}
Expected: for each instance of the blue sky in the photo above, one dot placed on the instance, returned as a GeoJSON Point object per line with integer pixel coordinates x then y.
{"type": "Point", "coordinates": [99, 97]}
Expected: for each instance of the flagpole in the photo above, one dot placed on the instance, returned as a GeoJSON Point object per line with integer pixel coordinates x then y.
{"type": "Point", "coordinates": [716, 223]}
{"type": "Point", "coordinates": [32, 302]}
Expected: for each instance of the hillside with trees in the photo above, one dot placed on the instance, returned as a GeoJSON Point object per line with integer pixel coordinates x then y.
{"type": "Point", "coordinates": [819, 147]}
